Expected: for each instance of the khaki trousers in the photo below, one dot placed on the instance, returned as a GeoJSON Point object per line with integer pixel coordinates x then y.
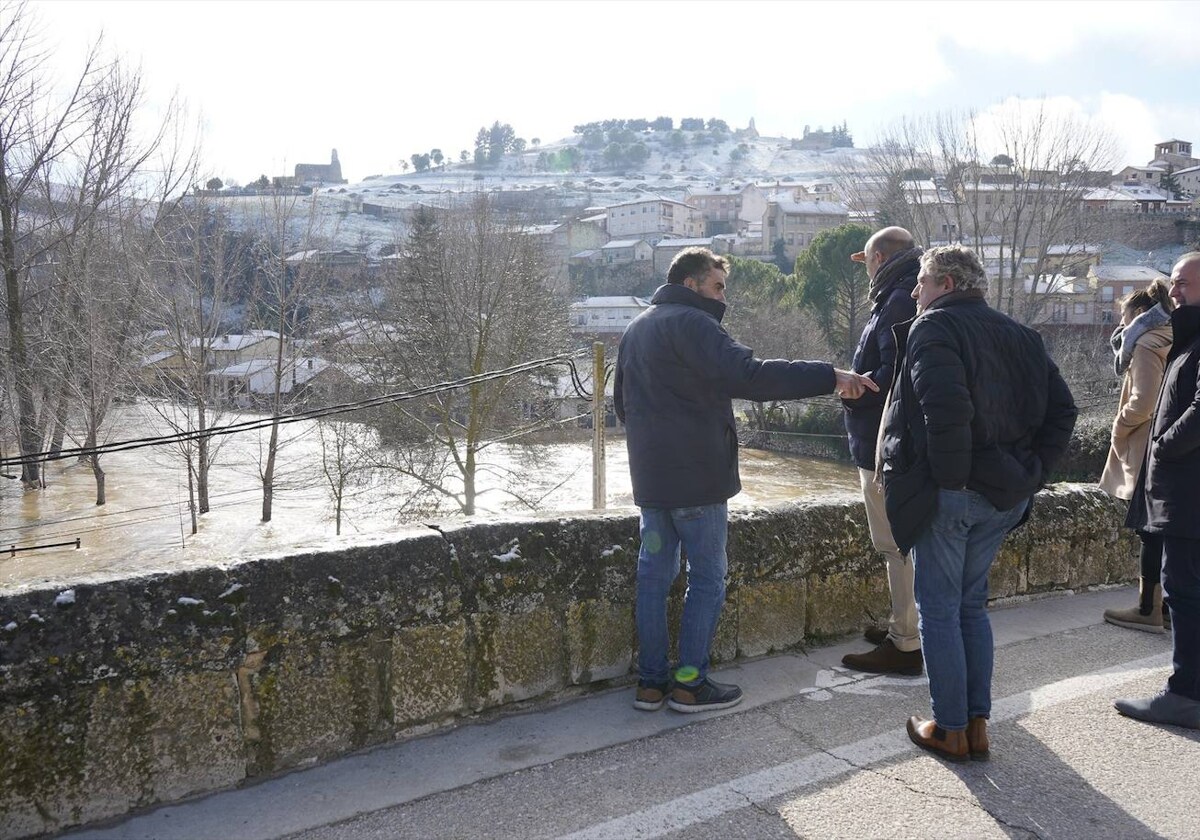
{"type": "Point", "coordinates": [902, 626]}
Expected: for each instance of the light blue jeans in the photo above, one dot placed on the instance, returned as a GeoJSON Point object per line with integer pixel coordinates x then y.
{"type": "Point", "coordinates": [952, 559]}
{"type": "Point", "coordinates": [702, 532]}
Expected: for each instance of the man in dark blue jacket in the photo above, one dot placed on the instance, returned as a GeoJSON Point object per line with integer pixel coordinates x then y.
{"type": "Point", "coordinates": [892, 261]}
{"type": "Point", "coordinates": [1167, 502]}
{"type": "Point", "coordinates": [976, 420]}
{"type": "Point", "coordinates": [677, 374]}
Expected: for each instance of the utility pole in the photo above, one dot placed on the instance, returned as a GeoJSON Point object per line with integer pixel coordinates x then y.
{"type": "Point", "coordinates": [598, 482]}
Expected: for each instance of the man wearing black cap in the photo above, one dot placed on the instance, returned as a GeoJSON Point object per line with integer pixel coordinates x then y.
{"type": "Point", "coordinates": [892, 261]}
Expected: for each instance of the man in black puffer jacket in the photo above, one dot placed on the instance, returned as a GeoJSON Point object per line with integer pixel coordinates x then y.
{"type": "Point", "coordinates": [977, 418]}
{"type": "Point", "coordinates": [677, 374]}
{"type": "Point", "coordinates": [892, 261]}
{"type": "Point", "coordinates": [1166, 501]}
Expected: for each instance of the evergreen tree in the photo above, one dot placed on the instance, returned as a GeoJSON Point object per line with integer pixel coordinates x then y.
{"type": "Point", "coordinates": [832, 287]}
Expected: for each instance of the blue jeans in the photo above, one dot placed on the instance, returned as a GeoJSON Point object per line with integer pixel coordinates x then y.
{"type": "Point", "coordinates": [702, 532]}
{"type": "Point", "coordinates": [1181, 586]}
{"type": "Point", "coordinates": [951, 562]}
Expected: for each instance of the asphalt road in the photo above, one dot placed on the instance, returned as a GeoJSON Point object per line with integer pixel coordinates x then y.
{"type": "Point", "coordinates": [815, 751]}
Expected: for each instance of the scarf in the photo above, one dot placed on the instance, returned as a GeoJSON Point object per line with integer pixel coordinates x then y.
{"type": "Point", "coordinates": [1124, 339]}
{"type": "Point", "coordinates": [900, 265]}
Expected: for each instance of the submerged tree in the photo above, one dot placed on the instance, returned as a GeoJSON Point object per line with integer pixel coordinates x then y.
{"type": "Point", "coordinates": [471, 295]}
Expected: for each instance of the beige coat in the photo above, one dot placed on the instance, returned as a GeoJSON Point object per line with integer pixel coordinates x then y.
{"type": "Point", "coordinates": [1131, 428]}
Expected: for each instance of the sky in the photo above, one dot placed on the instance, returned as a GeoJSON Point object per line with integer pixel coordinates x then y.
{"type": "Point", "coordinates": [272, 84]}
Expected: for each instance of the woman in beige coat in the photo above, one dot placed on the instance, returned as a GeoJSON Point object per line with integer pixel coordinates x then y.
{"type": "Point", "coordinates": [1140, 346]}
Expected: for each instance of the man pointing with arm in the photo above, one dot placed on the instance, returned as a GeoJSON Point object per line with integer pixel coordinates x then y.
{"type": "Point", "coordinates": [678, 372]}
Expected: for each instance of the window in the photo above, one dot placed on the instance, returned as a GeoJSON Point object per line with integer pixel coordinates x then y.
{"type": "Point", "coordinates": [1127, 290]}
{"type": "Point", "coordinates": [1058, 313]}
{"type": "Point", "coordinates": [1106, 317]}
{"type": "Point", "coordinates": [1106, 294]}
{"type": "Point", "coordinates": [1081, 308]}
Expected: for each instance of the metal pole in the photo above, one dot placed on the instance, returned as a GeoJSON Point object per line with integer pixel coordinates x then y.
{"type": "Point", "coordinates": [598, 488]}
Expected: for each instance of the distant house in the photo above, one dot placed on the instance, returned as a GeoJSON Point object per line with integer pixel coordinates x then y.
{"type": "Point", "coordinates": [164, 367]}
{"type": "Point", "coordinates": [1110, 283]}
{"type": "Point", "coordinates": [727, 210]}
{"type": "Point", "coordinates": [1189, 181]}
{"type": "Point", "coordinates": [626, 251]}
{"type": "Point", "coordinates": [563, 239]}
{"type": "Point", "coordinates": [1064, 300]}
{"type": "Point", "coordinates": [797, 222]}
{"type": "Point", "coordinates": [253, 382]}
{"type": "Point", "coordinates": [605, 315]}
{"type": "Point", "coordinates": [316, 174]}
{"type": "Point", "coordinates": [1135, 175]}
{"type": "Point", "coordinates": [653, 219]}
{"type": "Point", "coordinates": [223, 350]}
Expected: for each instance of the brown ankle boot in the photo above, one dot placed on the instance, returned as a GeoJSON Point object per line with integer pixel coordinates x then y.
{"type": "Point", "coordinates": [943, 743]}
{"type": "Point", "coordinates": [977, 739]}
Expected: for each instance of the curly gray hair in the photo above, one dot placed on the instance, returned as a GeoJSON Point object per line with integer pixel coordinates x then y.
{"type": "Point", "coordinates": [960, 264]}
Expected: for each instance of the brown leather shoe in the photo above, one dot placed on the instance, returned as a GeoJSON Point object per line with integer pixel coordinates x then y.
{"type": "Point", "coordinates": [875, 635]}
{"type": "Point", "coordinates": [977, 739]}
{"type": "Point", "coordinates": [886, 659]}
{"type": "Point", "coordinates": [927, 735]}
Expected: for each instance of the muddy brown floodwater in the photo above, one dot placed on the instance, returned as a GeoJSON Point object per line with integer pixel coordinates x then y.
{"type": "Point", "coordinates": [145, 525]}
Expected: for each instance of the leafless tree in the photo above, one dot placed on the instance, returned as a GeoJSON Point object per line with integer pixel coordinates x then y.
{"type": "Point", "coordinates": [935, 175]}
{"type": "Point", "coordinates": [347, 452]}
{"type": "Point", "coordinates": [197, 260]}
{"type": "Point", "coordinates": [470, 296]}
{"type": "Point", "coordinates": [68, 167]}
{"type": "Point", "coordinates": [289, 275]}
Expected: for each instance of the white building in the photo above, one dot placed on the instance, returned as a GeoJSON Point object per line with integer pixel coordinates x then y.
{"type": "Point", "coordinates": [605, 315]}
{"type": "Point", "coordinates": [653, 219]}
{"type": "Point", "coordinates": [244, 383]}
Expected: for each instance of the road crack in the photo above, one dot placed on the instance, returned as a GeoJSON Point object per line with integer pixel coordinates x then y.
{"type": "Point", "coordinates": [971, 801]}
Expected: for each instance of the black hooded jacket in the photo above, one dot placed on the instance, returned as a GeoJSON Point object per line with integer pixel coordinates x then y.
{"type": "Point", "coordinates": [977, 404]}
{"type": "Point", "coordinates": [891, 304]}
{"type": "Point", "coordinates": [1167, 497]}
{"type": "Point", "coordinates": [678, 371]}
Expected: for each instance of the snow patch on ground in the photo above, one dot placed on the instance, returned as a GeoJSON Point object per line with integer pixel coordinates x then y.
{"type": "Point", "coordinates": [513, 553]}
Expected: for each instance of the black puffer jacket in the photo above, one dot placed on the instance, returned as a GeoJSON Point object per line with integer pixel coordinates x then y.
{"type": "Point", "coordinates": [977, 404]}
{"type": "Point", "coordinates": [677, 373]}
{"type": "Point", "coordinates": [892, 303]}
{"type": "Point", "coordinates": [1167, 497]}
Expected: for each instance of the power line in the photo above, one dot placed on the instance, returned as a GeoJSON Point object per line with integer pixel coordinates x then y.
{"type": "Point", "coordinates": [311, 414]}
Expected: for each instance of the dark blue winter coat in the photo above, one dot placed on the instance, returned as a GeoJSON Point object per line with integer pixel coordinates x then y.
{"type": "Point", "coordinates": [1167, 498]}
{"type": "Point", "coordinates": [891, 304]}
{"type": "Point", "coordinates": [678, 371]}
{"type": "Point", "coordinates": [978, 404]}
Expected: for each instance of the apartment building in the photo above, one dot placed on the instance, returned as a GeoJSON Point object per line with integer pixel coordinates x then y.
{"type": "Point", "coordinates": [653, 219]}
{"type": "Point", "coordinates": [797, 222]}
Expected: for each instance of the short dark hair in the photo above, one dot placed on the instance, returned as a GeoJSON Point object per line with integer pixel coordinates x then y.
{"type": "Point", "coordinates": [695, 262]}
{"type": "Point", "coordinates": [1145, 299]}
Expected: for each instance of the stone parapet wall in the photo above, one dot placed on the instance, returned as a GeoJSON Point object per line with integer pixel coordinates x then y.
{"type": "Point", "coordinates": [120, 695]}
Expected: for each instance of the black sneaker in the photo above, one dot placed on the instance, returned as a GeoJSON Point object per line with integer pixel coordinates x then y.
{"type": "Point", "coordinates": [703, 696]}
{"type": "Point", "coordinates": [650, 696]}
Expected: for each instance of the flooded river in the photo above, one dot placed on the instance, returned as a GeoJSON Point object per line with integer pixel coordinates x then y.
{"type": "Point", "coordinates": [145, 525]}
